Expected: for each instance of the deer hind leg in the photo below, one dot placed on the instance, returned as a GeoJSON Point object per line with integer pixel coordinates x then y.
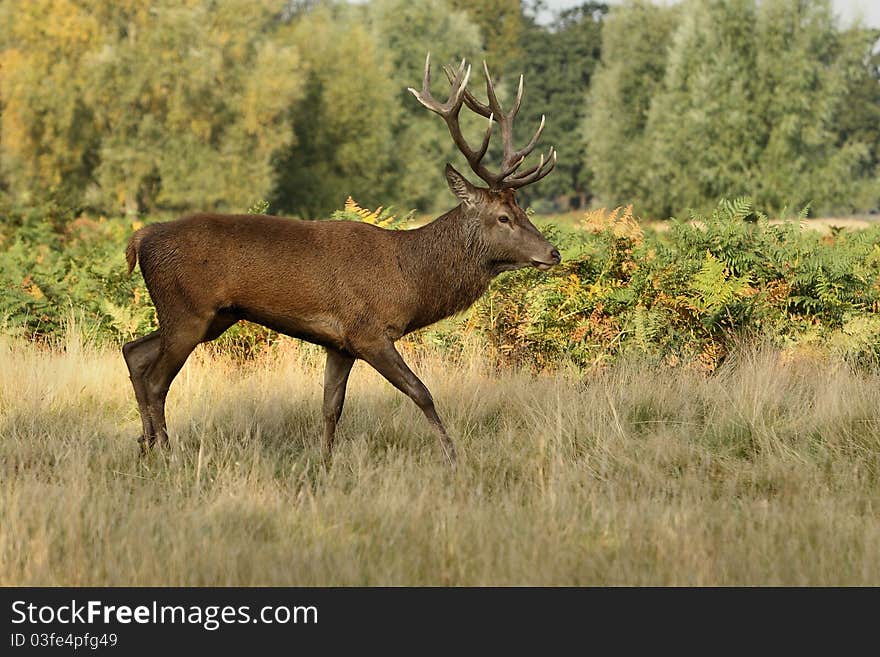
{"type": "Point", "coordinates": [177, 343]}
{"type": "Point", "coordinates": [139, 355]}
{"type": "Point", "coordinates": [335, 380]}
{"type": "Point", "coordinates": [168, 351]}
{"type": "Point", "coordinates": [389, 363]}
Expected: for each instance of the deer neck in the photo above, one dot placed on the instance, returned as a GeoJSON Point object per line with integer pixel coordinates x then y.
{"type": "Point", "coordinates": [448, 266]}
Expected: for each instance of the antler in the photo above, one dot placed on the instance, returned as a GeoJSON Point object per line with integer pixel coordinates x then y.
{"type": "Point", "coordinates": [507, 178]}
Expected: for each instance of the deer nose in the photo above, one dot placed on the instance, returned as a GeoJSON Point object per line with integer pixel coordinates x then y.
{"type": "Point", "coordinates": [555, 255]}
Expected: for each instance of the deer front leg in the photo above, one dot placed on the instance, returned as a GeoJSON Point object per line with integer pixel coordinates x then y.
{"type": "Point", "coordinates": [385, 359]}
{"type": "Point", "coordinates": [335, 379]}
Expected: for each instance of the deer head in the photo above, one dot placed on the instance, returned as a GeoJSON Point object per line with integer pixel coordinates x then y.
{"type": "Point", "coordinates": [510, 240]}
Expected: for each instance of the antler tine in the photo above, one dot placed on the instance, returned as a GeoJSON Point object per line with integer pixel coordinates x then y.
{"type": "Point", "coordinates": [518, 101]}
{"type": "Point", "coordinates": [459, 83]}
{"type": "Point", "coordinates": [455, 100]}
{"type": "Point", "coordinates": [530, 170]}
{"type": "Point", "coordinates": [490, 93]}
{"type": "Point", "coordinates": [469, 99]}
{"type": "Point", "coordinates": [426, 78]}
{"type": "Point", "coordinates": [535, 173]}
{"type": "Point", "coordinates": [424, 96]}
{"type": "Point", "coordinates": [511, 159]}
{"type": "Point", "coordinates": [462, 68]}
{"type": "Point", "coordinates": [510, 169]}
{"type": "Point", "coordinates": [485, 145]}
{"type": "Point", "coordinates": [534, 140]}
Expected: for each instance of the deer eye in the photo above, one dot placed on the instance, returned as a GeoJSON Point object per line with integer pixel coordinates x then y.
{"type": "Point", "coordinates": [504, 219]}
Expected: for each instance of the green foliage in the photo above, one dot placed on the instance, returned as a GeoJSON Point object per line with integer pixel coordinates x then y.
{"type": "Point", "coordinates": [192, 104]}
{"type": "Point", "coordinates": [343, 122]}
{"type": "Point", "coordinates": [701, 136]}
{"type": "Point", "coordinates": [635, 40]}
{"type": "Point", "coordinates": [684, 296]}
{"type": "Point", "coordinates": [420, 144]}
{"type": "Point", "coordinates": [767, 99]}
{"type": "Point", "coordinates": [358, 131]}
{"type": "Point", "coordinates": [155, 105]}
{"type": "Point", "coordinates": [259, 207]}
{"type": "Point", "coordinates": [680, 296]}
{"type": "Point", "coordinates": [503, 28]}
{"type": "Point", "coordinates": [49, 136]}
{"type": "Point", "coordinates": [382, 217]}
{"type": "Point", "coordinates": [558, 63]}
{"type": "Point", "coordinates": [79, 271]}
{"type": "Point", "coordinates": [142, 108]}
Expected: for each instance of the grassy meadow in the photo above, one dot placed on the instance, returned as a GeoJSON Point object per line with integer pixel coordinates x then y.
{"type": "Point", "coordinates": [767, 472]}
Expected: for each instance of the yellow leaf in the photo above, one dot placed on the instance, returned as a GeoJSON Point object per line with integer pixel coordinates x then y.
{"type": "Point", "coordinates": [35, 291]}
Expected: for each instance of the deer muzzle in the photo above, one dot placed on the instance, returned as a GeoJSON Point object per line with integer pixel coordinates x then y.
{"type": "Point", "coordinates": [552, 259]}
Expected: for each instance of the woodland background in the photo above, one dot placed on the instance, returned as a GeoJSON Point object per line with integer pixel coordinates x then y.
{"type": "Point", "coordinates": [166, 106]}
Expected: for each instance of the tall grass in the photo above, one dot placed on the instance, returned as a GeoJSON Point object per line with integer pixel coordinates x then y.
{"type": "Point", "coordinates": [766, 473]}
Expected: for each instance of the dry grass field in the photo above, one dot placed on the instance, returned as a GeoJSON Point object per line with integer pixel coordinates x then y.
{"type": "Point", "coordinates": [767, 473]}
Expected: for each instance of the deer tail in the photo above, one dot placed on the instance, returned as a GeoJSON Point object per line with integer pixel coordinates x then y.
{"type": "Point", "coordinates": [131, 251]}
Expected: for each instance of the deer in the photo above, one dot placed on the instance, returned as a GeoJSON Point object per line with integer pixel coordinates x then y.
{"type": "Point", "coordinates": [351, 287]}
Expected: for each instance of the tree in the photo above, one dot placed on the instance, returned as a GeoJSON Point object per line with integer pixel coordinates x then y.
{"type": "Point", "coordinates": [860, 123]}
{"type": "Point", "coordinates": [420, 143]}
{"type": "Point", "coordinates": [344, 121]}
{"type": "Point", "coordinates": [359, 132]}
{"type": "Point", "coordinates": [702, 122]}
{"type": "Point", "coordinates": [503, 28]}
{"type": "Point", "coordinates": [806, 79]}
{"type": "Point", "coordinates": [635, 38]}
{"type": "Point", "coordinates": [768, 99]}
{"type": "Point", "coordinates": [49, 137]}
{"type": "Point", "coordinates": [129, 105]}
{"type": "Point", "coordinates": [558, 63]}
{"type": "Point", "coordinates": [751, 104]}
{"type": "Point", "coordinates": [191, 100]}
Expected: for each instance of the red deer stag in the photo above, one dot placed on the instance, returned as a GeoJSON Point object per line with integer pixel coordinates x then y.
{"type": "Point", "coordinates": [351, 287]}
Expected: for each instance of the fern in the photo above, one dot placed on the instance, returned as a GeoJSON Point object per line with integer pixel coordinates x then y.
{"type": "Point", "coordinates": [736, 210]}
{"type": "Point", "coordinates": [381, 216]}
{"type": "Point", "coordinates": [644, 330]}
{"type": "Point", "coordinates": [714, 286]}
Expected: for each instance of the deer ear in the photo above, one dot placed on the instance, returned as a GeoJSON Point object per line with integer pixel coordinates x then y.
{"type": "Point", "coordinates": [460, 186]}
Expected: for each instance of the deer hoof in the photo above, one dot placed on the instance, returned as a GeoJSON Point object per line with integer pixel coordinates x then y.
{"type": "Point", "coordinates": [144, 444]}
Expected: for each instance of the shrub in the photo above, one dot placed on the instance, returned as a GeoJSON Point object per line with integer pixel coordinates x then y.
{"type": "Point", "coordinates": [681, 296]}
{"type": "Point", "coordinates": [686, 294]}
